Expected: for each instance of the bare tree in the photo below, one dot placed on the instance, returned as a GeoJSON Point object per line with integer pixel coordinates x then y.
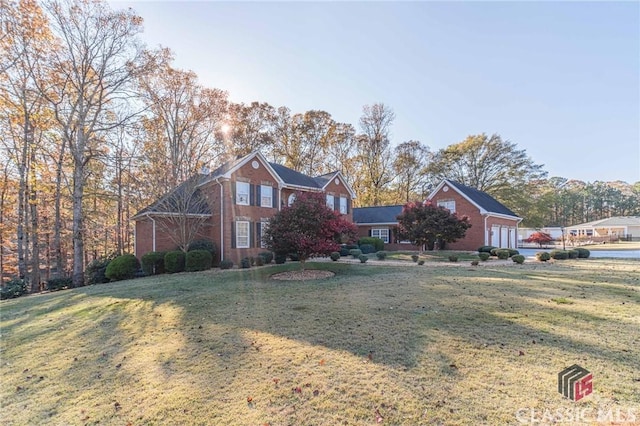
{"type": "Point", "coordinates": [411, 158]}
{"type": "Point", "coordinates": [91, 75]}
{"type": "Point", "coordinates": [374, 152]}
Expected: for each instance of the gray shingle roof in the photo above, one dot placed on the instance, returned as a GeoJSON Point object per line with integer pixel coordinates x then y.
{"type": "Point", "coordinates": [179, 201]}
{"type": "Point", "coordinates": [377, 214]}
{"type": "Point", "coordinates": [483, 199]}
{"type": "Point", "coordinates": [292, 177]}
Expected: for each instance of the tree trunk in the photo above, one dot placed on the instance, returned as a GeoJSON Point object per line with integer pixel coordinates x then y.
{"type": "Point", "coordinates": [57, 225]}
{"type": "Point", "coordinates": [35, 243]}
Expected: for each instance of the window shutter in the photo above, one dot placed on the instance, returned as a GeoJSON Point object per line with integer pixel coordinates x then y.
{"type": "Point", "coordinates": [251, 230]}
{"type": "Point", "coordinates": [233, 192]}
{"type": "Point", "coordinates": [274, 198]}
{"type": "Point", "coordinates": [348, 206]}
{"type": "Point", "coordinates": [258, 196]}
{"type": "Point", "coordinates": [370, 231]}
{"type": "Point", "coordinates": [258, 234]}
{"type": "Point", "coordinates": [391, 235]}
{"type": "Point", "coordinates": [252, 194]}
{"type": "Point", "coordinates": [336, 203]}
{"type": "Point", "coordinates": [233, 234]}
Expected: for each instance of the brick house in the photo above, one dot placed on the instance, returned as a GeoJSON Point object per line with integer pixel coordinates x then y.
{"type": "Point", "coordinates": [231, 205]}
{"type": "Point", "coordinates": [492, 223]}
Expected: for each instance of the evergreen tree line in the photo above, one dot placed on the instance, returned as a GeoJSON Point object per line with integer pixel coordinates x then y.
{"type": "Point", "coordinates": [94, 126]}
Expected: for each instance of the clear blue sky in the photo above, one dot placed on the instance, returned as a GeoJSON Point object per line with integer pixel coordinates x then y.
{"type": "Point", "coordinates": [561, 80]}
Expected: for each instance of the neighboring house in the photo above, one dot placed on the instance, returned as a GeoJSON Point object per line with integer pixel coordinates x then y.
{"type": "Point", "coordinates": [613, 228]}
{"type": "Point", "coordinates": [241, 196]}
{"type": "Point", "coordinates": [554, 231]}
{"type": "Point", "coordinates": [491, 222]}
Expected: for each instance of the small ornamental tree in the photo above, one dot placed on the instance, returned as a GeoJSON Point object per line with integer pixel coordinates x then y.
{"type": "Point", "coordinates": [308, 228]}
{"type": "Point", "coordinates": [539, 238]}
{"type": "Point", "coordinates": [425, 223]}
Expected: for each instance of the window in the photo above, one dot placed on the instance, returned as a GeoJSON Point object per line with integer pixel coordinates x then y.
{"type": "Point", "coordinates": [266, 196]}
{"type": "Point", "coordinates": [330, 201]}
{"type": "Point", "coordinates": [242, 193]}
{"type": "Point", "coordinates": [383, 234]}
{"type": "Point", "coordinates": [242, 234]}
{"type": "Point", "coordinates": [291, 199]}
{"type": "Point", "coordinates": [343, 205]}
{"type": "Point", "coordinates": [448, 204]}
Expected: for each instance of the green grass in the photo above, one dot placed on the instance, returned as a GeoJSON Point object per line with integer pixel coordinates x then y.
{"type": "Point", "coordinates": [430, 345]}
{"type": "Point", "coordinates": [433, 256]}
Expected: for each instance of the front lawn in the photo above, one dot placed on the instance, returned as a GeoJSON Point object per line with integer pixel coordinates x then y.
{"type": "Point", "coordinates": [371, 345]}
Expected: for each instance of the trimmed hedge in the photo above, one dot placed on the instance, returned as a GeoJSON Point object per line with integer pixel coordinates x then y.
{"type": "Point", "coordinates": [573, 254]}
{"type": "Point", "coordinates": [518, 258]}
{"type": "Point", "coordinates": [95, 273]}
{"type": "Point", "coordinates": [294, 257]}
{"type": "Point", "coordinates": [245, 262]}
{"type": "Point", "coordinates": [55, 284]}
{"type": "Point", "coordinates": [420, 262]}
{"type": "Point", "coordinates": [226, 264]}
{"type": "Point", "coordinates": [280, 258]}
{"type": "Point", "coordinates": [453, 258]}
{"type": "Point", "coordinates": [207, 245]}
{"type": "Point", "coordinates": [377, 243]}
{"type": "Point", "coordinates": [559, 254]}
{"type": "Point", "coordinates": [502, 253]}
{"type": "Point", "coordinates": [414, 257]}
{"type": "Point", "coordinates": [513, 252]}
{"type": "Point", "coordinates": [583, 253]}
{"type": "Point", "coordinates": [363, 258]}
{"type": "Point", "coordinates": [258, 261]}
{"type": "Point", "coordinates": [367, 248]}
{"type": "Point", "coordinates": [381, 255]}
{"type": "Point", "coordinates": [484, 256]}
{"type": "Point", "coordinates": [486, 249]}
{"type": "Point", "coordinates": [543, 256]}
{"type": "Point", "coordinates": [174, 261]}
{"type": "Point", "coordinates": [267, 257]}
{"type": "Point", "coordinates": [153, 262]}
{"type": "Point", "coordinates": [344, 251]}
{"type": "Point", "coordinates": [335, 256]}
{"type": "Point", "coordinates": [122, 267]}
{"type": "Point", "coordinates": [355, 253]}
{"type": "Point", "coordinates": [198, 260]}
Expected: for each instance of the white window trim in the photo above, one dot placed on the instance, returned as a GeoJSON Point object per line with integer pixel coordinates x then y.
{"type": "Point", "coordinates": [333, 200]}
{"type": "Point", "coordinates": [238, 236]}
{"type": "Point", "coordinates": [343, 206]}
{"type": "Point", "coordinates": [269, 190]}
{"type": "Point", "coordinates": [386, 239]}
{"type": "Point", "coordinates": [239, 192]}
{"type": "Point", "coordinates": [446, 204]}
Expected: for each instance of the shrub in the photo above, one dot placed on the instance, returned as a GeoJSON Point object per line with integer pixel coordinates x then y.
{"type": "Point", "coordinates": [559, 254]}
{"type": "Point", "coordinates": [207, 245]}
{"type": "Point", "coordinates": [335, 256]}
{"type": "Point", "coordinates": [294, 257]}
{"type": "Point", "coordinates": [453, 258]}
{"type": "Point", "coordinates": [484, 256]}
{"type": "Point", "coordinates": [513, 252]}
{"type": "Point", "coordinates": [363, 258]}
{"type": "Point", "coordinates": [486, 249]}
{"type": "Point", "coordinates": [474, 262]}
{"type": "Point", "coordinates": [198, 260]}
{"type": "Point", "coordinates": [502, 254]}
{"type": "Point", "coordinates": [381, 255]}
{"type": "Point", "coordinates": [414, 257]}
{"type": "Point", "coordinates": [367, 248]}
{"type": "Point", "coordinates": [351, 246]}
{"type": "Point", "coordinates": [245, 262]}
{"type": "Point", "coordinates": [258, 261]}
{"type": "Point", "coordinates": [95, 273]}
{"type": "Point", "coordinates": [493, 251]}
{"type": "Point", "coordinates": [280, 258]}
{"type": "Point", "coordinates": [420, 262]}
{"type": "Point", "coordinates": [267, 257]}
{"type": "Point", "coordinates": [12, 289]}
{"type": "Point", "coordinates": [122, 268]}
{"type": "Point", "coordinates": [344, 251]}
{"type": "Point", "coordinates": [573, 254]}
{"type": "Point", "coordinates": [543, 256]}
{"type": "Point", "coordinates": [174, 261]}
{"type": "Point", "coordinates": [153, 262]}
{"type": "Point", "coordinates": [226, 264]}
{"type": "Point", "coordinates": [355, 253]}
{"type": "Point", "coordinates": [55, 284]}
{"type": "Point", "coordinates": [583, 253]}
{"type": "Point", "coordinates": [377, 243]}
{"type": "Point", "coordinates": [518, 258]}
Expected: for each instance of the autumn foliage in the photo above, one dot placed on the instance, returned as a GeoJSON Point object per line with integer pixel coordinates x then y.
{"type": "Point", "coordinates": [308, 228]}
{"type": "Point", "coordinates": [425, 223]}
{"type": "Point", "coordinates": [539, 238]}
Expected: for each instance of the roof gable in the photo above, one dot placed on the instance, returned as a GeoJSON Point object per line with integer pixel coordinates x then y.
{"type": "Point", "coordinates": [483, 201]}
{"type": "Point", "coordinates": [291, 177]}
{"type": "Point", "coordinates": [178, 201]}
